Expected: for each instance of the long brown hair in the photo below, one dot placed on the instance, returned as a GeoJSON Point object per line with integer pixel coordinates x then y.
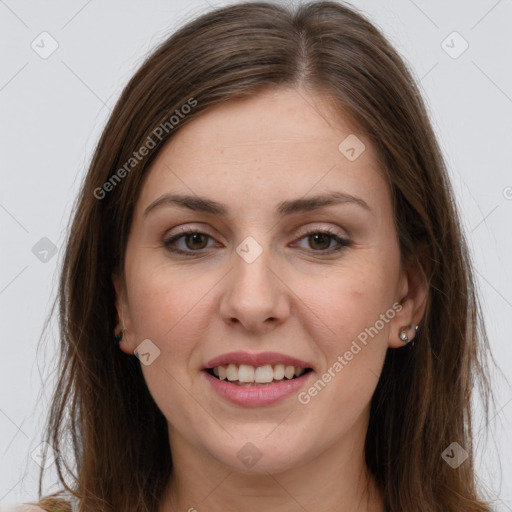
{"type": "Point", "coordinates": [422, 403]}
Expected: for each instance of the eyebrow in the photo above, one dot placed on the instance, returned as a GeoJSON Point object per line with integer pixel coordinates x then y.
{"type": "Point", "coordinates": [285, 208]}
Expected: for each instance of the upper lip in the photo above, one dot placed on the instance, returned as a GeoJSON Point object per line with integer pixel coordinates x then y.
{"type": "Point", "coordinates": [260, 359]}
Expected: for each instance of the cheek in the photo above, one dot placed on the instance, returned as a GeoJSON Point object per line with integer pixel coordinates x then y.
{"type": "Point", "coordinates": [357, 308]}
{"type": "Point", "coordinates": [162, 303]}
{"type": "Point", "coordinates": [156, 304]}
{"type": "Point", "coordinates": [164, 307]}
{"type": "Point", "coordinates": [355, 297]}
{"type": "Point", "coordinates": [159, 291]}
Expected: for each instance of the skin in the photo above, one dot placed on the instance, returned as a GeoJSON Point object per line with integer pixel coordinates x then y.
{"type": "Point", "coordinates": [251, 154]}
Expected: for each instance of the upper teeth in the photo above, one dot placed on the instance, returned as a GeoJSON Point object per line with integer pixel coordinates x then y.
{"type": "Point", "coordinates": [260, 374]}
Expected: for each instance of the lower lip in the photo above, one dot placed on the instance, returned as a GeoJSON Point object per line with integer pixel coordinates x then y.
{"type": "Point", "coordinates": [254, 396]}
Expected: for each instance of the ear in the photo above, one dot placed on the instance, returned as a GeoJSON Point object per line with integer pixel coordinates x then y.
{"type": "Point", "coordinates": [412, 293]}
{"type": "Point", "coordinates": [122, 316]}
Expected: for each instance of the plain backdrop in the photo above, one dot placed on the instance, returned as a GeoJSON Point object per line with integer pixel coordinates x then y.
{"type": "Point", "coordinates": [53, 108]}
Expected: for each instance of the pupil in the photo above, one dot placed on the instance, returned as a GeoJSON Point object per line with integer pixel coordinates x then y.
{"type": "Point", "coordinates": [193, 236]}
{"type": "Point", "coordinates": [321, 235]}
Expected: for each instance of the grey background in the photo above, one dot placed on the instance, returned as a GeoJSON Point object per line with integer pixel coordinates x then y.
{"type": "Point", "coordinates": [52, 112]}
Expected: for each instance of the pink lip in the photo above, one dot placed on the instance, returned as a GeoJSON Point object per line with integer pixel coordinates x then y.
{"type": "Point", "coordinates": [257, 395]}
{"type": "Point", "coordinates": [260, 359]}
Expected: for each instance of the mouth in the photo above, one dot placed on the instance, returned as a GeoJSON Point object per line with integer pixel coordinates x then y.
{"type": "Point", "coordinates": [256, 376]}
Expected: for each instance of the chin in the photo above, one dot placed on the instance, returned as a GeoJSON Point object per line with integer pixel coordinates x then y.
{"type": "Point", "coordinates": [258, 457]}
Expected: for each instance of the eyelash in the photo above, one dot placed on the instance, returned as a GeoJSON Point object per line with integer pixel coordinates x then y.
{"type": "Point", "coordinates": [188, 231]}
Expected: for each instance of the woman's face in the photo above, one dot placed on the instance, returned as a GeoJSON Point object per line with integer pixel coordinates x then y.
{"type": "Point", "coordinates": [253, 280]}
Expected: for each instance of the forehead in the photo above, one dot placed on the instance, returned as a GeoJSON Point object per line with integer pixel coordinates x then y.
{"type": "Point", "coordinates": [282, 142]}
{"type": "Point", "coordinates": [267, 122]}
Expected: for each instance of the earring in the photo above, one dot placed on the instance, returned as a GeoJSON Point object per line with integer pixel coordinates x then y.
{"type": "Point", "coordinates": [403, 333]}
{"type": "Point", "coordinates": [119, 337]}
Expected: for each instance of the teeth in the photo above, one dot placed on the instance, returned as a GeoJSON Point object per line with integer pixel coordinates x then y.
{"type": "Point", "coordinates": [279, 371]}
{"type": "Point", "coordinates": [246, 373]}
{"type": "Point", "coordinates": [232, 372]}
{"type": "Point", "coordinates": [299, 372]}
{"type": "Point", "coordinates": [264, 374]}
{"type": "Point", "coordinates": [289, 372]}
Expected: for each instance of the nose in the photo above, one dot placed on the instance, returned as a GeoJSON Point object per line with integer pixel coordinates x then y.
{"type": "Point", "coordinates": [255, 297]}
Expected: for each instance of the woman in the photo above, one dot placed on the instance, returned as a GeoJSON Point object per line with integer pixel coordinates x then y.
{"type": "Point", "coordinates": [266, 300]}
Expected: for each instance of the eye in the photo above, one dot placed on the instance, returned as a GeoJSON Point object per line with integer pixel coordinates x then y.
{"type": "Point", "coordinates": [320, 240]}
{"type": "Point", "coordinates": [194, 242]}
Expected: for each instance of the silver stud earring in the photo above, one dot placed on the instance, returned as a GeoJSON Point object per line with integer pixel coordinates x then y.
{"type": "Point", "coordinates": [403, 333]}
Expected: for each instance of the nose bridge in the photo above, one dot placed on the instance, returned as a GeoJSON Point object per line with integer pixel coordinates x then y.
{"type": "Point", "coordinates": [252, 276]}
{"type": "Point", "coordinates": [254, 294]}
